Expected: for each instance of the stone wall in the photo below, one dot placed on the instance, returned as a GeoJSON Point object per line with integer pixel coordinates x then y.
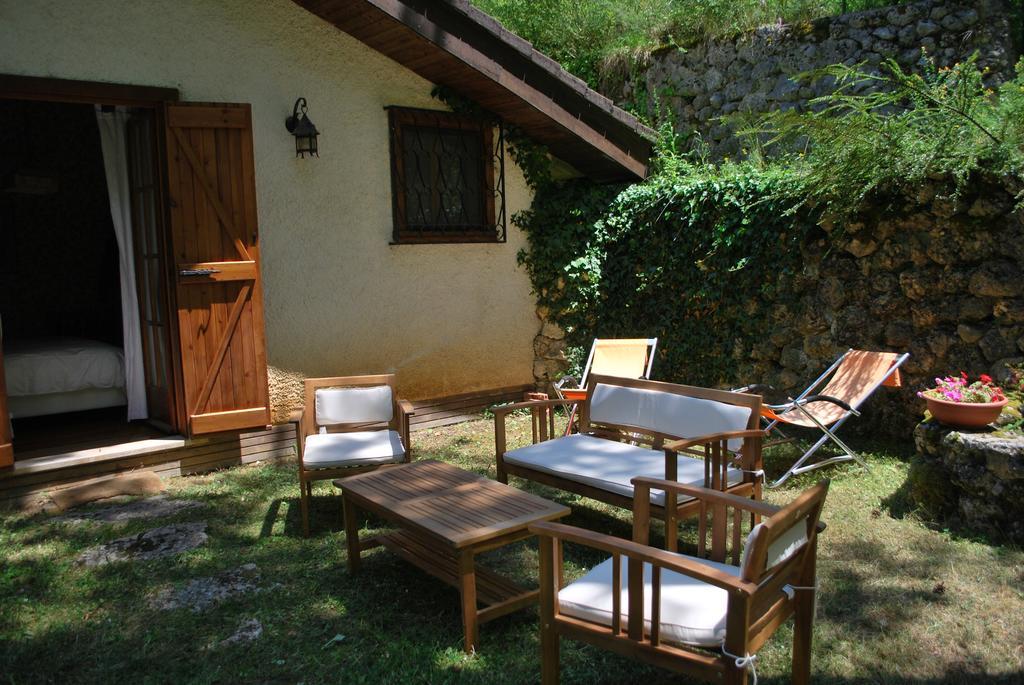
{"type": "Point", "coordinates": [937, 276]}
{"type": "Point", "coordinates": [752, 72]}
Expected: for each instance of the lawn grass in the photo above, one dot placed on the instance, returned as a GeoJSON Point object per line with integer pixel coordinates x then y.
{"type": "Point", "coordinates": [899, 603]}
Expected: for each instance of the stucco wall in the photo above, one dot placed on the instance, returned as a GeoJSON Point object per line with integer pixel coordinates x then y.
{"type": "Point", "coordinates": [339, 299]}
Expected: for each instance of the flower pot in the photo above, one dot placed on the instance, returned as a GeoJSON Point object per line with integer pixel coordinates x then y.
{"type": "Point", "coordinates": [964, 414]}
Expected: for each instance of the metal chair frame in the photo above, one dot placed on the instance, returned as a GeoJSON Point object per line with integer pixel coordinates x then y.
{"type": "Point", "coordinates": [828, 432]}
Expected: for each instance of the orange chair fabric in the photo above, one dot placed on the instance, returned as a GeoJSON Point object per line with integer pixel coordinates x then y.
{"type": "Point", "coordinates": [852, 382]}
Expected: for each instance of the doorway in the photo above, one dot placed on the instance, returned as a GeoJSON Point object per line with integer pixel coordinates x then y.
{"type": "Point", "coordinates": [69, 346]}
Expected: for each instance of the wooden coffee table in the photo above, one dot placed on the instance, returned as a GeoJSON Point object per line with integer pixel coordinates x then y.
{"type": "Point", "coordinates": [445, 516]}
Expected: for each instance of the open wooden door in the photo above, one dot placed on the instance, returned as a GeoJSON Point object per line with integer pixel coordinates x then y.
{"type": "Point", "coordinates": [212, 197]}
{"type": "Point", "coordinates": [6, 446]}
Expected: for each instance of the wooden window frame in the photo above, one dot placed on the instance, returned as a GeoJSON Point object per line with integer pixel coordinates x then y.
{"type": "Point", "coordinates": [401, 117]}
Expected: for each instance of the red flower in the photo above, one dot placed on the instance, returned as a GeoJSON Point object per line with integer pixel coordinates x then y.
{"type": "Point", "coordinates": [985, 379]}
{"type": "Point", "coordinates": [963, 374]}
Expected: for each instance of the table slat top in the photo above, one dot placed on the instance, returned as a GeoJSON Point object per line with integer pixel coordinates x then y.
{"type": "Point", "coordinates": [460, 507]}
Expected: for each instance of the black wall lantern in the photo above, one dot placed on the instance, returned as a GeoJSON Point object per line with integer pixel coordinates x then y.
{"type": "Point", "coordinates": [299, 125]}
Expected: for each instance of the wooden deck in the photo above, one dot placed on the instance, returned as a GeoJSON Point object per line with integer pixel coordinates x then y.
{"type": "Point", "coordinates": [446, 411]}
{"type": "Point", "coordinates": [167, 456]}
{"type": "Point", "coordinates": [59, 454]}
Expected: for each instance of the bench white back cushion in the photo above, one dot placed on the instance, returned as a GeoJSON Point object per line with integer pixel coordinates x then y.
{"type": "Point", "coordinates": [353, 405]}
{"type": "Point", "coordinates": [666, 412]}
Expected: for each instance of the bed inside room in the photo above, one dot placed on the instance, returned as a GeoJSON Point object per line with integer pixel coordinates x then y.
{"type": "Point", "coordinates": [63, 329]}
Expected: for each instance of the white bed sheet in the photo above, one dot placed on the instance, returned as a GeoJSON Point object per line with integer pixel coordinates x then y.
{"type": "Point", "coordinates": [56, 365]}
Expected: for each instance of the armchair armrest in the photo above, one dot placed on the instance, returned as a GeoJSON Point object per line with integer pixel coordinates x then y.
{"type": "Point", "coordinates": [651, 555]}
{"type": "Point", "coordinates": [646, 484]}
{"type": "Point", "coordinates": [680, 445]}
{"type": "Point", "coordinates": [500, 415]}
{"type": "Point", "coordinates": [405, 410]}
{"type": "Point", "coordinates": [500, 412]}
{"type": "Point", "coordinates": [303, 430]}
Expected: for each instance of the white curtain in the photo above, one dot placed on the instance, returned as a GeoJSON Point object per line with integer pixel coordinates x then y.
{"type": "Point", "coordinates": [113, 139]}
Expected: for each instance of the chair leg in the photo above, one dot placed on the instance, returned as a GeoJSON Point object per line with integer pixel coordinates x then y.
{"type": "Point", "coordinates": [549, 655]}
{"type": "Point", "coordinates": [735, 676]}
{"type": "Point", "coordinates": [304, 494]}
{"type": "Point", "coordinates": [802, 629]}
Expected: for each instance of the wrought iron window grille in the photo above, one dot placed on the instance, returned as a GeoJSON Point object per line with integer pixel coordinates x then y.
{"type": "Point", "coordinates": [447, 177]}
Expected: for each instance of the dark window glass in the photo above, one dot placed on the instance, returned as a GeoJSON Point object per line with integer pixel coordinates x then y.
{"type": "Point", "coordinates": [442, 178]}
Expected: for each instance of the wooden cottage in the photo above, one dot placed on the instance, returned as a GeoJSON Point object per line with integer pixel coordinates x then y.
{"type": "Point", "coordinates": [171, 266]}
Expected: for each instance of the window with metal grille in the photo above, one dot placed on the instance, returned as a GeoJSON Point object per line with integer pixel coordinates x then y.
{"type": "Point", "coordinates": [447, 177]}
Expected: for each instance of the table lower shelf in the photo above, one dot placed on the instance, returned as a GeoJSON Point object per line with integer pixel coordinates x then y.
{"type": "Point", "coordinates": [498, 594]}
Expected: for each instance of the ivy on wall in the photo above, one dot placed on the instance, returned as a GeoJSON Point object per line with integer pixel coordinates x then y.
{"type": "Point", "coordinates": [692, 257]}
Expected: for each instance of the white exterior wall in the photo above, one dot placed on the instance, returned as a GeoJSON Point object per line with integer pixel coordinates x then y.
{"type": "Point", "coordinates": [339, 299]}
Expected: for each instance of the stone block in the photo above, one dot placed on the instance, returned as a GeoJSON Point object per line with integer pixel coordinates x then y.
{"type": "Point", "coordinates": [898, 334]}
{"type": "Point", "coordinates": [997, 343]}
{"type": "Point", "coordinates": [914, 284]}
{"type": "Point", "coordinates": [939, 344]}
{"type": "Point", "coordinates": [552, 330]}
{"type": "Point", "coordinates": [1009, 311]}
{"type": "Point", "coordinates": [968, 333]}
{"type": "Point", "coordinates": [997, 279]}
{"type": "Point", "coordinates": [861, 248]}
{"type": "Point", "coordinates": [975, 308]}
{"type": "Point", "coordinates": [793, 358]}
{"type": "Point", "coordinates": [713, 79]}
{"type": "Point", "coordinates": [900, 16]}
{"type": "Point", "coordinates": [884, 33]}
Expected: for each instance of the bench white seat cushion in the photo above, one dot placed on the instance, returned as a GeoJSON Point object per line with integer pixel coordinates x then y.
{"type": "Point", "coordinates": [607, 464]}
{"type": "Point", "coordinates": [692, 611]}
{"type": "Point", "coordinates": [330, 450]}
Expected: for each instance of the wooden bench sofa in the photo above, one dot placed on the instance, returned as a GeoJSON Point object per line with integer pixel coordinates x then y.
{"type": "Point", "coordinates": [630, 428]}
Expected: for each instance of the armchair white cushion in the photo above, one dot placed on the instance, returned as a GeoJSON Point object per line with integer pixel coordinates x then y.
{"type": "Point", "coordinates": [354, 405]}
{"type": "Point", "coordinates": [692, 611]}
{"type": "Point", "coordinates": [330, 450]}
{"type": "Point", "coordinates": [607, 464]}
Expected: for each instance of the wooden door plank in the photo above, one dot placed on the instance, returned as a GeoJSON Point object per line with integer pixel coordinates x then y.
{"type": "Point", "coordinates": [210, 239]}
{"type": "Point", "coordinates": [184, 116]}
{"type": "Point", "coordinates": [257, 325]}
{"type": "Point", "coordinates": [207, 185]}
{"type": "Point", "coordinates": [222, 347]}
{"type": "Point", "coordinates": [215, 422]}
{"type": "Point", "coordinates": [228, 141]}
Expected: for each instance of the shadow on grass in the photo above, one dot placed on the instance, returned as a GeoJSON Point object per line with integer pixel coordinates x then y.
{"type": "Point", "coordinates": [927, 496]}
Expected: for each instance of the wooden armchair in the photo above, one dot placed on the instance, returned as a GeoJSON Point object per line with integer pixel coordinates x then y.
{"type": "Point", "coordinates": [350, 424]}
{"type": "Point", "coordinates": [705, 618]}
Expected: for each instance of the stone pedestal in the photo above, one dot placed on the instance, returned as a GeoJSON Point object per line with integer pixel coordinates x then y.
{"type": "Point", "coordinates": [974, 477]}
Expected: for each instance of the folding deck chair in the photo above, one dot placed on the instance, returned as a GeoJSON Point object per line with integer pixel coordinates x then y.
{"type": "Point", "coordinates": [620, 357]}
{"type": "Point", "coordinates": [853, 378]}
